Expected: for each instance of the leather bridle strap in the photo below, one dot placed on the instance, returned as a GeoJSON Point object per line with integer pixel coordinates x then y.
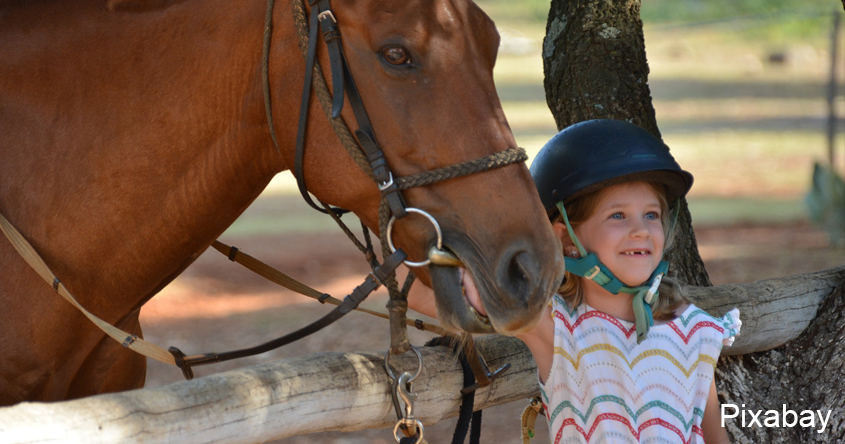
{"type": "Point", "coordinates": [277, 277]}
{"type": "Point", "coordinates": [322, 18]}
{"type": "Point", "coordinates": [299, 159]}
{"type": "Point", "coordinates": [371, 283]}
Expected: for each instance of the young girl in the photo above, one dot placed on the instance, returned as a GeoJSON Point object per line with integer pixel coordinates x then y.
{"type": "Point", "coordinates": [622, 356]}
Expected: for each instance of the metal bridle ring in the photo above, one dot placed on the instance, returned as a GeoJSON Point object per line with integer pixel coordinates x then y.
{"type": "Point", "coordinates": [430, 219]}
{"type": "Point", "coordinates": [417, 423]}
{"type": "Point", "coordinates": [393, 375]}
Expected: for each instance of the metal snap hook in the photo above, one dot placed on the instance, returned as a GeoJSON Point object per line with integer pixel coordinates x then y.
{"type": "Point", "coordinates": [431, 219]}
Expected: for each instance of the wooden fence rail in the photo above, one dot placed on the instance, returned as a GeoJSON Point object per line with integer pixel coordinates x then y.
{"type": "Point", "coordinates": [350, 391]}
{"type": "Point", "coordinates": [324, 391]}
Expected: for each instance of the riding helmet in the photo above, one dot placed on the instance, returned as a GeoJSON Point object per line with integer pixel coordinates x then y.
{"type": "Point", "coordinates": [594, 154]}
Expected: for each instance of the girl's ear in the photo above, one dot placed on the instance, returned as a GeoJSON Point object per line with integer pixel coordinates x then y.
{"type": "Point", "coordinates": [560, 230]}
{"type": "Point", "coordinates": [569, 248]}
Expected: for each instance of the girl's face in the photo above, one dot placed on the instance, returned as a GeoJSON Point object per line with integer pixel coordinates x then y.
{"type": "Point", "coordinates": [626, 232]}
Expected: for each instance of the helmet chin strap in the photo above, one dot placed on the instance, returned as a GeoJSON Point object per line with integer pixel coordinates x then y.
{"type": "Point", "coordinates": [645, 296]}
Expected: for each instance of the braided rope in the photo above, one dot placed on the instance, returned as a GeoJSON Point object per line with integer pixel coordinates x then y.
{"type": "Point", "coordinates": [500, 159]}
{"type": "Point", "coordinates": [346, 230]}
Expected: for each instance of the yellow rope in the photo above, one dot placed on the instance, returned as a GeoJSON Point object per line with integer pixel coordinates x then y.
{"type": "Point", "coordinates": [529, 418]}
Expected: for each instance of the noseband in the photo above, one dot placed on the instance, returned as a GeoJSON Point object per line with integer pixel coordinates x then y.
{"type": "Point", "coordinates": [364, 147]}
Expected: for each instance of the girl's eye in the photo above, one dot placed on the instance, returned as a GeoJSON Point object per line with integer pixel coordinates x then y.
{"type": "Point", "coordinates": [617, 216]}
{"type": "Point", "coordinates": [652, 216]}
{"type": "Point", "coordinates": [396, 55]}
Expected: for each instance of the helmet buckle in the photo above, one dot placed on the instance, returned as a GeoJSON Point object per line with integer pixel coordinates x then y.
{"type": "Point", "coordinates": [593, 273]}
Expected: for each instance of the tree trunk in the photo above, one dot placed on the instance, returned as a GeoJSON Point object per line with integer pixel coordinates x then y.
{"type": "Point", "coordinates": [595, 67]}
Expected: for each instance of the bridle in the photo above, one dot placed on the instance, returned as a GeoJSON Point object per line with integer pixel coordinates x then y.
{"type": "Point", "coordinates": [364, 147]}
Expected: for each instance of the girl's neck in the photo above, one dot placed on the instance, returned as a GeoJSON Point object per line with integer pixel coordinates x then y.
{"type": "Point", "coordinates": [617, 305]}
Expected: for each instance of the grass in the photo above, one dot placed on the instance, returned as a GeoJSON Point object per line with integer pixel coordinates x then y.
{"type": "Point", "coordinates": [732, 210]}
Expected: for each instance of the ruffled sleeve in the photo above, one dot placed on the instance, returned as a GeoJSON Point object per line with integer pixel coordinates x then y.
{"type": "Point", "coordinates": [731, 324]}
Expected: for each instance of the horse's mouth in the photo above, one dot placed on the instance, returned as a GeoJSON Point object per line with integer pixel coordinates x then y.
{"type": "Point", "coordinates": [458, 300]}
{"type": "Point", "coordinates": [470, 293]}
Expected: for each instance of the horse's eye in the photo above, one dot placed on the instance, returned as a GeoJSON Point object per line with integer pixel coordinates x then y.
{"type": "Point", "coordinates": [396, 55]}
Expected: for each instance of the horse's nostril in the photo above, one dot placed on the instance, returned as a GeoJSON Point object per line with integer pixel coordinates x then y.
{"type": "Point", "coordinates": [519, 275]}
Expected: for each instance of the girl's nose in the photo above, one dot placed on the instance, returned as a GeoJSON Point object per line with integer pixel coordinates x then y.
{"type": "Point", "coordinates": [639, 229]}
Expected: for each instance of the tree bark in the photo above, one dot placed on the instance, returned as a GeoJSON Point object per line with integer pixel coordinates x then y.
{"type": "Point", "coordinates": [595, 67]}
{"type": "Point", "coordinates": [804, 374]}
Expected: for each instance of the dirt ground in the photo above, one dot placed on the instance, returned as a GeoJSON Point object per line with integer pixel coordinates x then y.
{"type": "Point", "coordinates": [217, 305]}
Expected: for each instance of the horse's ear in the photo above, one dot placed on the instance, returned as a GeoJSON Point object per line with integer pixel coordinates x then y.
{"type": "Point", "coordinates": [139, 5]}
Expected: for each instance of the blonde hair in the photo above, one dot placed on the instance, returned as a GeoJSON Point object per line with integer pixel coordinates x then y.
{"type": "Point", "coordinates": [579, 210]}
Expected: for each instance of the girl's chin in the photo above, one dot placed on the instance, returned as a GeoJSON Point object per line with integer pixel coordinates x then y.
{"type": "Point", "coordinates": [635, 281]}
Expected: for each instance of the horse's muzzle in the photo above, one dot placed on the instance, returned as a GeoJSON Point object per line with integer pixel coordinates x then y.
{"type": "Point", "coordinates": [507, 299]}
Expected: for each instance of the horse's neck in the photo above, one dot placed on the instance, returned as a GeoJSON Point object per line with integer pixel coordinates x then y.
{"type": "Point", "coordinates": [132, 139]}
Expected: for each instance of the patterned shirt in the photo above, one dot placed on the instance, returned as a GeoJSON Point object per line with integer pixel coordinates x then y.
{"type": "Point", "coordinates": [606, 388]}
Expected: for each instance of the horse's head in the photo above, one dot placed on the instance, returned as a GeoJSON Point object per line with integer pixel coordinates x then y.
{"type": "Point", "coordinates": [424, 69]}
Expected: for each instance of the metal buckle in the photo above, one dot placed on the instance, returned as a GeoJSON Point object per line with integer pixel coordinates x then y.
{"type": "Point", "coordinates": [595, 272]}
{"type": "Point", "coordinates": [378, 281]}
{"type": "Point", "coordinates": [129, 340]}
{"type": "Point", "coordinates": [388, 184]}
{"type": "Point", "coordinates": [327, 13]}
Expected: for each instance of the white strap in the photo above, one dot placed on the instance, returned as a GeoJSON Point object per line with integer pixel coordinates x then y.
{"type": "Point", "coordinates": [31, 257]}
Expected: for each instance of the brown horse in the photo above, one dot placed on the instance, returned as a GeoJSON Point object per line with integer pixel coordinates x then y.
{"type": "Point", "coordinates": [133, 133]}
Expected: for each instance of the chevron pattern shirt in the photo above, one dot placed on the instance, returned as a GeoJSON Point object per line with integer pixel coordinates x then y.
{"type": "Point", "coordinates": [606, 388]}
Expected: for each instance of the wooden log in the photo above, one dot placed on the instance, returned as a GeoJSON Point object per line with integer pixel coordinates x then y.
{"type": "Point", "coordinates": [325, 391]}
{"type": "Point", "coordinates": [773, 311]}
{"type": "Point", "coordinates": [350, 391]}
